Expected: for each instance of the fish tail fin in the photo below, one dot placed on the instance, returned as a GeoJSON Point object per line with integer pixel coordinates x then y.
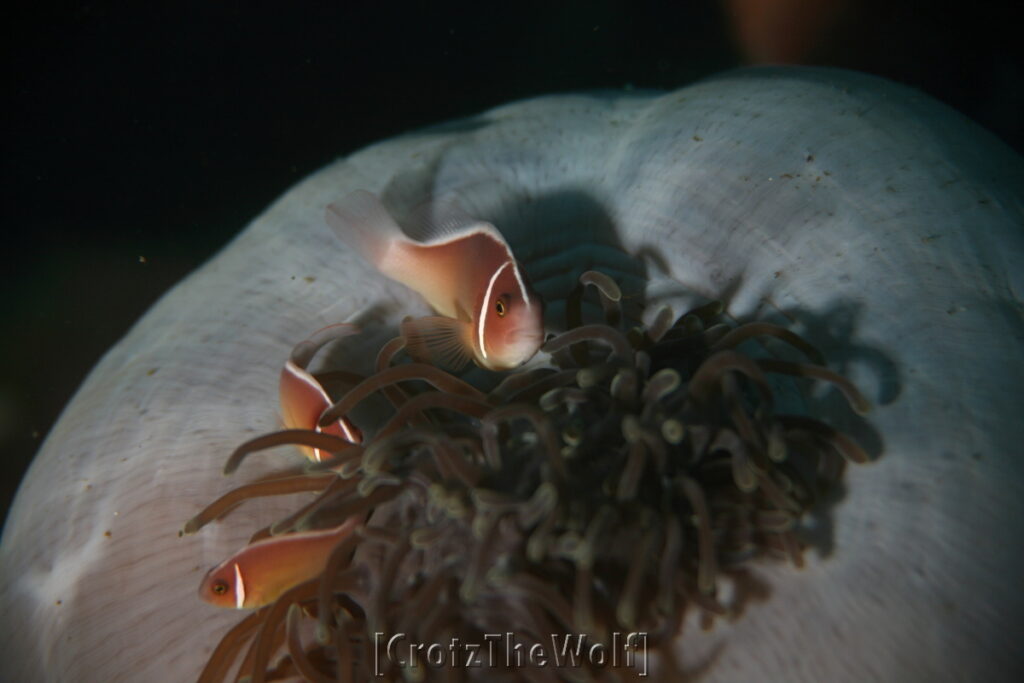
{"type": "Point", "coordinates": [362, 222]}
{"type": "Point", "coordinates": [446, 342]}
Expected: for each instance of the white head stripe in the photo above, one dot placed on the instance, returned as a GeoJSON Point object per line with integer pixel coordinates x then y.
{"type": "Point", "coordinates": [239, 587]}
{"type": "Point", "coordinates": [484, 306]}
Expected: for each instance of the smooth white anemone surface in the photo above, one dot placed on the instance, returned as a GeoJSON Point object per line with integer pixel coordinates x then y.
{"type": "Point", "coordinates": [884, 226]}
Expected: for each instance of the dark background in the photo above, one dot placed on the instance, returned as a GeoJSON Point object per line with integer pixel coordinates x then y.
{"type": "Point", "coordinates": [138, 139]}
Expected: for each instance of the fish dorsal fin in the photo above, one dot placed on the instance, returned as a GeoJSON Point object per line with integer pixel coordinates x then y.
{"type": "Point", "coordinates": [443, 220]}
{"type": "Point", "coordinates": [362, 222]}
{"type": "Point", "coordinates": [439, 340]}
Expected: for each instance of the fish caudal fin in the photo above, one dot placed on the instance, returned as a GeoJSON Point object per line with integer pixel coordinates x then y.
{"type": "Point", "coordinates": [446, 342]}
{"type": "Point", "coordinates": [362, 222]}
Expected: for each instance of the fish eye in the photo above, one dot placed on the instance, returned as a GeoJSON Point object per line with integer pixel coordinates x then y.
{"type": "Point", "coordinates": [500, 308]}
{"type": "Point", "coordinates": [220, 587]}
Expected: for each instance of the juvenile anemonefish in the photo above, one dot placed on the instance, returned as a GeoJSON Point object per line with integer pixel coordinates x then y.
{"type": "Point", "coordinates": [260, 572]}
{"type": "Point", "coordinates": [303, 398]}
{"type": "Point", "coordinates": [467, 274]}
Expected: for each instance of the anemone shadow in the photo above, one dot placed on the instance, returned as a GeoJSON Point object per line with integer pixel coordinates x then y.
{"type": "Point", "coordinates": [560, 235]}
{"type": "Point", "coordinates": [833, 331]}
{"type": "Point", "coordinates": [555, 236]}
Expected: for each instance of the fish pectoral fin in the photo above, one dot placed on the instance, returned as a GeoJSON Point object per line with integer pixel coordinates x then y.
{"type": "Point", "coordinates": [443, 341]}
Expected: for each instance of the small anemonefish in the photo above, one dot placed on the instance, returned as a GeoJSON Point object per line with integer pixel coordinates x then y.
{"type": "Point", "coordinates": [467, 274]}
{"type": "Point", "coordinates": [303, 399]}
{"type": "Point", "coordinates": [260, 572]}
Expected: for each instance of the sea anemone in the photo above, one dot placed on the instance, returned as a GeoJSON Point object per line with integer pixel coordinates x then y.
{"type": "Point", "coordinates": [882, 227]}
{"type": "Point", "coordinates": [609, 492]}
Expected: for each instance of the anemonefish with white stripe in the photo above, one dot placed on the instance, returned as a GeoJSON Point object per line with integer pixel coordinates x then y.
{"type": "Point", "coordinates": [466, 272]}
{"type": "Point", "coordinates": [303, 398]}
{"type": "Point", "coordinates": [260, 572]}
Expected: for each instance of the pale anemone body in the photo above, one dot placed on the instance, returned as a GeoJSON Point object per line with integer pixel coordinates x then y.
{"type": "Point", "coordinates": [886, 226]}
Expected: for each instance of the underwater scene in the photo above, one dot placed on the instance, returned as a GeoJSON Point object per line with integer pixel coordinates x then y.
{"type": "Point", "coordinates": [572, 342]}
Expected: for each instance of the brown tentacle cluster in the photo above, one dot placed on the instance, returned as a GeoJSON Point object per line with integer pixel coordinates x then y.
{"type": "Point", "coordinates": [614, 491]}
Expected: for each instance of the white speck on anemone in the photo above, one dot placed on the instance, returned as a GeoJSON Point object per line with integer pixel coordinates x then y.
{"type": "Point", "coordinates": [885, 227]}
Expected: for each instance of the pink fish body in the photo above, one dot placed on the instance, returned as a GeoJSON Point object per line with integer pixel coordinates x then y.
{"type": "Point", "coordinates": [260, 572]}
{"type": "Point", "coordinates": [468, 275]}
{"type": "Point", "coordinates": [303, 398]}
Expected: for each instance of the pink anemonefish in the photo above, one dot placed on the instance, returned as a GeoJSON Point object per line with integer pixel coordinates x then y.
{"type": "Point", "coordinates": [467, 274]}
{"type": "Point", "coordinates": [302, 397]}
{"type": "Point", "coordinates": [260, 572]}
